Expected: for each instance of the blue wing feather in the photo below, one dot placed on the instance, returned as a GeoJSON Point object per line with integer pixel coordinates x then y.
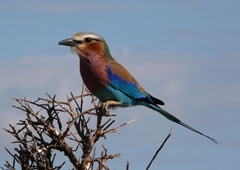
{"type": "Point", "coordinates": [122, 87]}
{"type": "Point", "coordinates": [128, 88]}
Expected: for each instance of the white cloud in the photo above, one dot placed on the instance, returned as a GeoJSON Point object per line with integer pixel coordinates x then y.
{"type": "Point", "coordinates": [39, 73]}
{"type": "Point", "coordinates": [171, 78]}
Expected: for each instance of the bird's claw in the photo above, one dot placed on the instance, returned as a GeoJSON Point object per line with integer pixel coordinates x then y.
{"type": "Point", "coordinates": [106, 105]}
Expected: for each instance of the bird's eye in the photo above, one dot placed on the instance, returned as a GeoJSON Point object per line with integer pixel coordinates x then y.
{"type": "Point", "coordinates": [88, 40]}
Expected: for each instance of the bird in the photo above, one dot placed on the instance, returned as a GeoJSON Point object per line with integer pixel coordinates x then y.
{"type": "Point", "coordinates": [109, 81]}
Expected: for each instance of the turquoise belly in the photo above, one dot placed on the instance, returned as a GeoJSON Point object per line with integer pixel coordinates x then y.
{"type": "Point", "coordinates": [110, 93]}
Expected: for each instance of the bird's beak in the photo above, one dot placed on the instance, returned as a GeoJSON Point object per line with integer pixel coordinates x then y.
{"type": "Point", "coordinates": [68, 42]}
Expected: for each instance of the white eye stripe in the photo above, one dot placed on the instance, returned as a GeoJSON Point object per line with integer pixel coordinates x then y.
{"type": "Point", "coordinates": [92, 36]}
{"type": "Point", "coordinates": [82, 37]}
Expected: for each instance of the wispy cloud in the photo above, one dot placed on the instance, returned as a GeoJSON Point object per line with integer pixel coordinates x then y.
{"type": "Point", "coordinates": [186, 85]}
{"type": "Point", "coordinates": [38, 72]}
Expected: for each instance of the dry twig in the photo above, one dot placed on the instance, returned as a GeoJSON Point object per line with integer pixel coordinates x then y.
{"type": "Point", "coordinates": [155, 155]}
{"type": "Point", "coordinates": [44, 131]}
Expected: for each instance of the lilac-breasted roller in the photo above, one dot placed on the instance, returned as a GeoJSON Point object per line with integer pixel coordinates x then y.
{"type": "Point", "coordinates": [109, 81]}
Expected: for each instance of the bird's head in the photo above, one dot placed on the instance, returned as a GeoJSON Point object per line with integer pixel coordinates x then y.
{"type": "Point", "coordinates": [84, 43]}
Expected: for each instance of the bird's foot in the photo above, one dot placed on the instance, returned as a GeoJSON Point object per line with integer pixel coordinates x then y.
{"type": "Point", "coordinates": [106, 105]}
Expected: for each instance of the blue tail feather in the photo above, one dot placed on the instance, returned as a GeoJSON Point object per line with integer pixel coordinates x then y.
{"type": "Point", "coordinates": [176, 120]}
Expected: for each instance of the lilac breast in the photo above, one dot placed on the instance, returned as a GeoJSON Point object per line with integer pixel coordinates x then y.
{"type": "Point", "coordinates": [93, 72]}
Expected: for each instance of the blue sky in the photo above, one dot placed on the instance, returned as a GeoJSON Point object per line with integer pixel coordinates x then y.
{"type": "Point", "coordinates": [185, 52]}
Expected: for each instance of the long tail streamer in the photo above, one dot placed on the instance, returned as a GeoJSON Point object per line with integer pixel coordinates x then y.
{"type": "Point", "coordinates": [176, 120]}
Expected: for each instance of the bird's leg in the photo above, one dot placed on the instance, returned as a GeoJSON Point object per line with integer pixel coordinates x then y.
{"type": "Point", "coordinates": [110, 103]}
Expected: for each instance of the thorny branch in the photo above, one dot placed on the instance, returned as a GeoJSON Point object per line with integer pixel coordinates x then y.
{"type": "Point", "coordinates": [45, 131]}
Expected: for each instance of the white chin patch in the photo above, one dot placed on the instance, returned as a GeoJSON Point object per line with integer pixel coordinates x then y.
{"type": "Point", "coordinates": [75, 50]}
